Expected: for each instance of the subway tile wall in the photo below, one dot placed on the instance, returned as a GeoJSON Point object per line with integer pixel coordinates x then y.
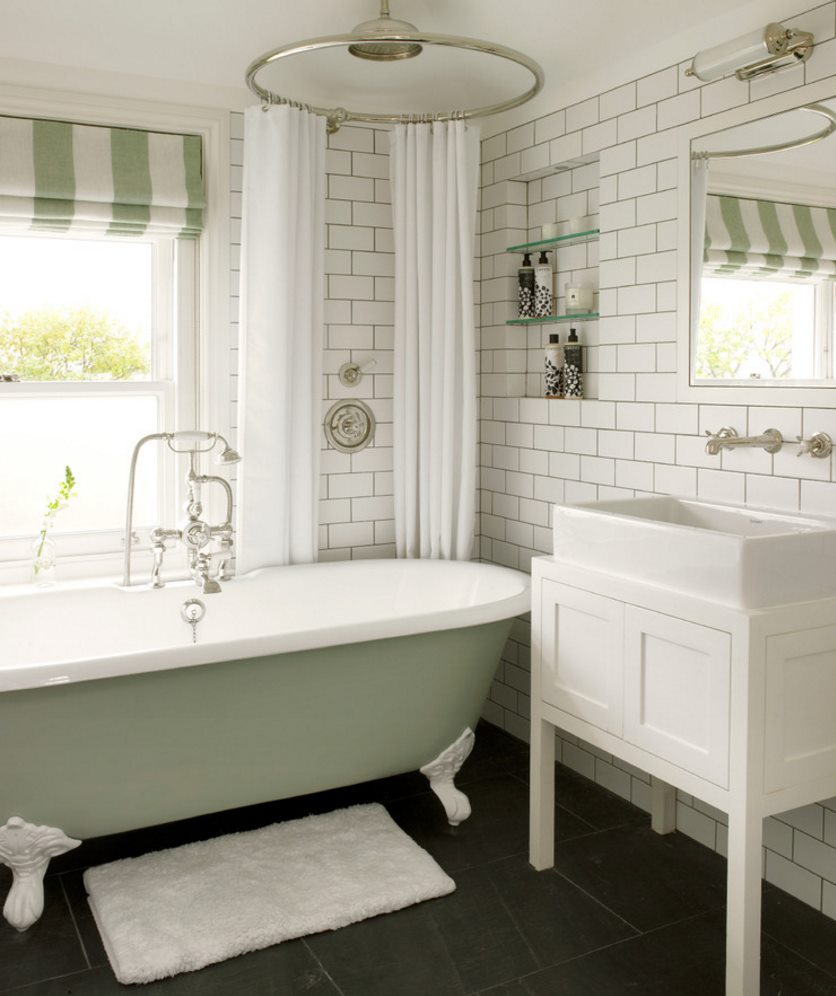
{"type": "Point", "coordinates": [629, 435]}
{"type": "Point", "coordinates": [356, 506]}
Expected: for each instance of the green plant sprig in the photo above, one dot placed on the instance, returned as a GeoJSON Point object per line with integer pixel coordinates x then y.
{"type": "Point", "coordinates": [66, 491]}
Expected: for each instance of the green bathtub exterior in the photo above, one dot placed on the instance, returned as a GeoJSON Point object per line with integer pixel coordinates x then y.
{"type": "Point", "coordinates": [103, 756]}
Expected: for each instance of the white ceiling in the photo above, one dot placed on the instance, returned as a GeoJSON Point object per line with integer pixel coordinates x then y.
{"type": "Point", "coordinates": [204, 46]}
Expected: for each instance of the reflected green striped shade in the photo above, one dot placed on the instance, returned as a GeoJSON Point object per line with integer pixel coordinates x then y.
{"type": "Point", "coordinates": [748, 237]}
{"type": "Point", "coordinates": [59, 176]}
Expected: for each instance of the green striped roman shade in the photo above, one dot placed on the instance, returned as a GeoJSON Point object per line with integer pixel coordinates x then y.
{"type": "Point", "coordinates": [60, 176]}
{"type": "Point", "coordinates": [747, 237]}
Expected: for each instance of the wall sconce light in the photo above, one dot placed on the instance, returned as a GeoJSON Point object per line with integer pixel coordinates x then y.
{"type": "Point", "coordinates": [764, 51]}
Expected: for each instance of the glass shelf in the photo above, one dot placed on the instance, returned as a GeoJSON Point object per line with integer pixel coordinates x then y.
{"type": "Point", "coordinates": [587, 316]}
{"type": "Point", "coordinates": [558, 240]}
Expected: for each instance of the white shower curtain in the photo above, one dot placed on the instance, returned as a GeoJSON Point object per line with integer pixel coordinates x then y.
{"type": "Point", "coordinates": [434, 172]}
{"type": "Point", "coordinates": [282, 293]}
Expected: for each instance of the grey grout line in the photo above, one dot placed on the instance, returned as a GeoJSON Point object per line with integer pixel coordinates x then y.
{"type": "Point", "coordinates": [75, 922]}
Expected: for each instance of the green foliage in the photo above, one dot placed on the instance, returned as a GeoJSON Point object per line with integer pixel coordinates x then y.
{"type": "Point", "coordinates": [66, 491]}
{"type": "Point", "coordinates": [69, 344]}
{"type": "Point", "coordinates": [753, 337]}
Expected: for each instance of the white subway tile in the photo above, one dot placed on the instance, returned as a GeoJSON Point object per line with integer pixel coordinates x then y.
{"type": "Point", "coordinates": [676, 480]}
{"type": "Point", "coordinates": [655, 447]}
{"type": "Point", "coordinates": [720, 485]}
{"type": "Point", "coordinates": [618, 158]}
{"type": "Point", "coordinates": [618, 101]}
{"type": "Point", "coordinates": [678, 110]}
{"type": "Point", "coordinates": [773, 492]}
{"type": "Point", "coordinates": [722, 95]}
{"type": "Point", "coordinates": [637, 123]}
{"type": "Point", "coordinates": [599, 136]}
{"type": "Point", "coordinates": [657, 86]}
{"type": "Point", "coordinates": [616, 386]}
{"type": "Point", "coordinates": [582, 115]}
{"type": "Point", "coordinates": [547, 128]}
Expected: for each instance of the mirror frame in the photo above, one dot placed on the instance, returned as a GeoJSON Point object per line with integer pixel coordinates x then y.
{"type": "Point", "coordinates": [767, 393]}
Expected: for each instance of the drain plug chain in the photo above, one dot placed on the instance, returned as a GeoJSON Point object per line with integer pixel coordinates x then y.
{"type": "Point", "coordinates": [192, 611]}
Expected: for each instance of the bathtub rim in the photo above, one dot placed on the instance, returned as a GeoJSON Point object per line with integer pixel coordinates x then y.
{"type": "Point", "coordinates": [52, 673]}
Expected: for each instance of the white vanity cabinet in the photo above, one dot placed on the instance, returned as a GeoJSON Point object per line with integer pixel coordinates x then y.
{"type": "Point", "coordinates": [734, 706]}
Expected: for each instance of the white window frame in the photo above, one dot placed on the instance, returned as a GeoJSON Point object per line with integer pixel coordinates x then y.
{"type": "Point", "coordinates": [201, 314]}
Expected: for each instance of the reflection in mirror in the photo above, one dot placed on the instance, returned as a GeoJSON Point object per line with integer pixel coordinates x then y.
{"type": "Point", "coordinates": [763, 250]}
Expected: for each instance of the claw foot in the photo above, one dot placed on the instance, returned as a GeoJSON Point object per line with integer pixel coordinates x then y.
{"type": "Point", "coordinates": [26, 849]}
{"type": "Point", "coordinates": [441, 773]}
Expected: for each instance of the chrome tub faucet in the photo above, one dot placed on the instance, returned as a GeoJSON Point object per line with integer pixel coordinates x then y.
{"type": "Point", "coordinates": [195, 534]}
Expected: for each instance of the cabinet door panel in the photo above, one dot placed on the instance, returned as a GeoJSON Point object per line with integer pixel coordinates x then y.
{"type": "Point", "coordinates": [581, 639]}
{"type": "Point", "coordinates": [677, 691]}
{"type": "Point", "coordinates": [800, 716]}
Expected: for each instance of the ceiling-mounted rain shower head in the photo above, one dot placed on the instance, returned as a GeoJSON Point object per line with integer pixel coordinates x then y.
{"type": "Point", "coordinates": [385, 51]}
{"type": "Point", "coordinates": [386, 39]}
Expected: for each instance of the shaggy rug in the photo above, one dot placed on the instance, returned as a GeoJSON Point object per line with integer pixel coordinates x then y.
{"type": "Point", "coordinates": [182, 909]}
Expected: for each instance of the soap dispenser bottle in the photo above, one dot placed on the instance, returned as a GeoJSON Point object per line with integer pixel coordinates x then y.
{"type": "Point", "coordinates": [573, 366]}
{"type": "Point", "coordinates": [525, 288]}
{"type": "Point", "coordinates": [555, 360]}
{"type": "Point", "coordinates": [543, 278]}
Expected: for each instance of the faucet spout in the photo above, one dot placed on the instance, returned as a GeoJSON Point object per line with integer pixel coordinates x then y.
{"type": "Point", "coordinates": [727, 438]}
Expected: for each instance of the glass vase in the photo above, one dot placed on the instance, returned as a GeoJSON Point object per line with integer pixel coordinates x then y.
{"type": "Point", "coordinates": [43, 561]}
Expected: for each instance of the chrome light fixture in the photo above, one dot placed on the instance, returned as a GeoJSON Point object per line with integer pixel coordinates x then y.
{"type": "Point", "coordinates": [385, 40]}
{"type": "Point", "coordinates": [765, 51]}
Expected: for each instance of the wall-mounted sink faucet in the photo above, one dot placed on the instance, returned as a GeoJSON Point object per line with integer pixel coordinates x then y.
{"type": "Point", "coordinates": [196, 534]}
{"type": "Point", "coordinates": [727, 439]}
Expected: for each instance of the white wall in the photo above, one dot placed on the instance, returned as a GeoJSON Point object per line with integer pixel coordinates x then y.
{"type": "Point", "coordinates": [631, 436]}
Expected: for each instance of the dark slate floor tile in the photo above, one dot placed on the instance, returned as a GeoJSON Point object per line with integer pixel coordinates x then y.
{"type": "Point", "coordinates": [684, 959]}
{"type": "Point", "coordinates": [511, 989]}
{"type": "Point", "coordinates": [599, 807]}
{"type": "Point", "coordinates": [480, 934]}
{"type": "Point", "coordinates": [497, 827]}
{"type": "Point", "coordinates": [557, 920]}
{"type": "Point", "coordinates": [797, 926]}
{"type": "Point", "coordinates": [648, 879]}
{"type": "Point", "coordinates": [82, 914]}
{"type": "Point", "coordinates": [284, 970]}
{"type": "Point", "coordinates": [49, 947]}
{"type": "Point", "coordinates": [402, 953]}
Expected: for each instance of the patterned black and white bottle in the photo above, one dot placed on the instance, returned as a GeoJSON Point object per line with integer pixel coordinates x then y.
{"type": "Point", "coordinates": [543, 279]}
{"type": "Point", "coordinates": [525, 288]}
{"type": "Point", "coordinates": [554, 367]}
{"type": "Point", "coordinates": [573, 367]}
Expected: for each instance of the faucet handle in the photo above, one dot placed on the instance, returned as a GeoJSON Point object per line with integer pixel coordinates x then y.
{"type": "Point", "coordinates": [818, 445]}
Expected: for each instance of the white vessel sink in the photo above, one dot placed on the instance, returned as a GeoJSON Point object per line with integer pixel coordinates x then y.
{"type": "Point", "coordinates": [744, 557]}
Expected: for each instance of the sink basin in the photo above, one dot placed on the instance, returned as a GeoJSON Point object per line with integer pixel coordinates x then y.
{"type": "Point", "coordinates": [744, 557]}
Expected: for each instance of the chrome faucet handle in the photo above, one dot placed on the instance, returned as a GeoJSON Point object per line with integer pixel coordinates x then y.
{"type": "Point", "coordinates": [158, 538]}
{"type": "Point", "coordinates": [715, 439]}
{"type": "Point", "coordinates": [818, 445]}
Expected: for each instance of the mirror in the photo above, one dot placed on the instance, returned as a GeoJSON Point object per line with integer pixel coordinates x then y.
{"type": "Point", "coordinates": [762, 275]}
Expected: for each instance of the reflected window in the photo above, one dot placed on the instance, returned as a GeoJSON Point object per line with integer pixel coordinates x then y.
{"type": "Point", "coordinates": [764, 329]}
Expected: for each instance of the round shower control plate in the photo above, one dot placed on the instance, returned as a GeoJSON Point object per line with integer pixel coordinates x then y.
{"type": "Point", "coordinates": [349, 426]}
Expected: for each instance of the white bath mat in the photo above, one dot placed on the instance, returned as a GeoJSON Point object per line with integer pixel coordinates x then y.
{"type": "Point", "coordinates": [182, 909]}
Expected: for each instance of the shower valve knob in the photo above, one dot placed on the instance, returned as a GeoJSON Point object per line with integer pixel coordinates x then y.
{"type": "Point", "coordinates": [196, 535]}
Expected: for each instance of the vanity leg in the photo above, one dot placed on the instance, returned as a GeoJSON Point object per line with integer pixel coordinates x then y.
{"type": "Point", "coordinates": [541, 820]}
{"type": "Point", "coordinates": [662, 806]}
{"type": "Point", "coordinates": [743, 915]}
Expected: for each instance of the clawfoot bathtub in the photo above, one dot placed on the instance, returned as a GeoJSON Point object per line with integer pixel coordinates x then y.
{"type": "Point", "coordinates": [120, 713]}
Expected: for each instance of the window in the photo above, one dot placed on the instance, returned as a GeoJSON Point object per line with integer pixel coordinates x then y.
{"type": "Point", "coordinates": [765, 329]}
{"type": "Point", "coordinates": [114, 325]}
